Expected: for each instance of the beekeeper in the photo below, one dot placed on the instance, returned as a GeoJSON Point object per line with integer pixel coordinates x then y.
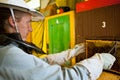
{"type": "Point", "coordinates": [16, 64]}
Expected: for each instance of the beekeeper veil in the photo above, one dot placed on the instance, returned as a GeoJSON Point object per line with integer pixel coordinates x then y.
{"type": "Point", "coordinates": [21, 6]}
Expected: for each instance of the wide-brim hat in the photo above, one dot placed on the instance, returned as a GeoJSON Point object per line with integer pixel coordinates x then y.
{"type": "Point", "coordinates": [22, 6]}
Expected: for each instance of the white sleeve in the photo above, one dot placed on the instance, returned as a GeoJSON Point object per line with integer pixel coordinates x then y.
{"type": "Point", "coordinates": [62, 57]}
{"type": "Point", "coordinates": [97, 63]}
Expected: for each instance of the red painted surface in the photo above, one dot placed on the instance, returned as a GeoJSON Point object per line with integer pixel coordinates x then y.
{"type": "Point", "coordinates": [92, 4]}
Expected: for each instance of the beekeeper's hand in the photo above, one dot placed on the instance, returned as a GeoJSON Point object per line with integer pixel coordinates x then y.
{"type": "Point", "coordinates": [79, 48]}
{"type": "Point", "coordinates": [97, 63]}
{"type": "Point", "coordinates": [62, 57]}
{"type": "Point", "coordinates": [108, 60]}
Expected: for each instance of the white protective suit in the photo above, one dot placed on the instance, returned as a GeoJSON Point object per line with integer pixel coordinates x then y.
{"type": "Point", "coordinates": [15, 64]}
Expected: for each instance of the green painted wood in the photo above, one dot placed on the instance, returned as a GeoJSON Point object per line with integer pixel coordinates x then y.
{"type": "Point", "coordinates": [59, 34]}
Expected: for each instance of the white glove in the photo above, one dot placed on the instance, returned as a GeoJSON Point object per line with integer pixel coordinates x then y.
{"type": "Point", "coordinates": [96, 63]}
{"type": "Point", "coordinates": [62, 57]}
{"type": "Point", "coordinates": [79, 48]}
{"type": "Point", "coordinates": [108, 60]}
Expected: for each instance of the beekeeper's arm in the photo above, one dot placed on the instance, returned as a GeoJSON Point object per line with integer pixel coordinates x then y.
{"type": "Point", "coordinates": [28, 67]}
{"type": "Point", "coordinates": [88, 69]}
{"type": "Point", "coordinates": [97, 63]}
{"type": "Point", "coordinates": [61, 58]}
